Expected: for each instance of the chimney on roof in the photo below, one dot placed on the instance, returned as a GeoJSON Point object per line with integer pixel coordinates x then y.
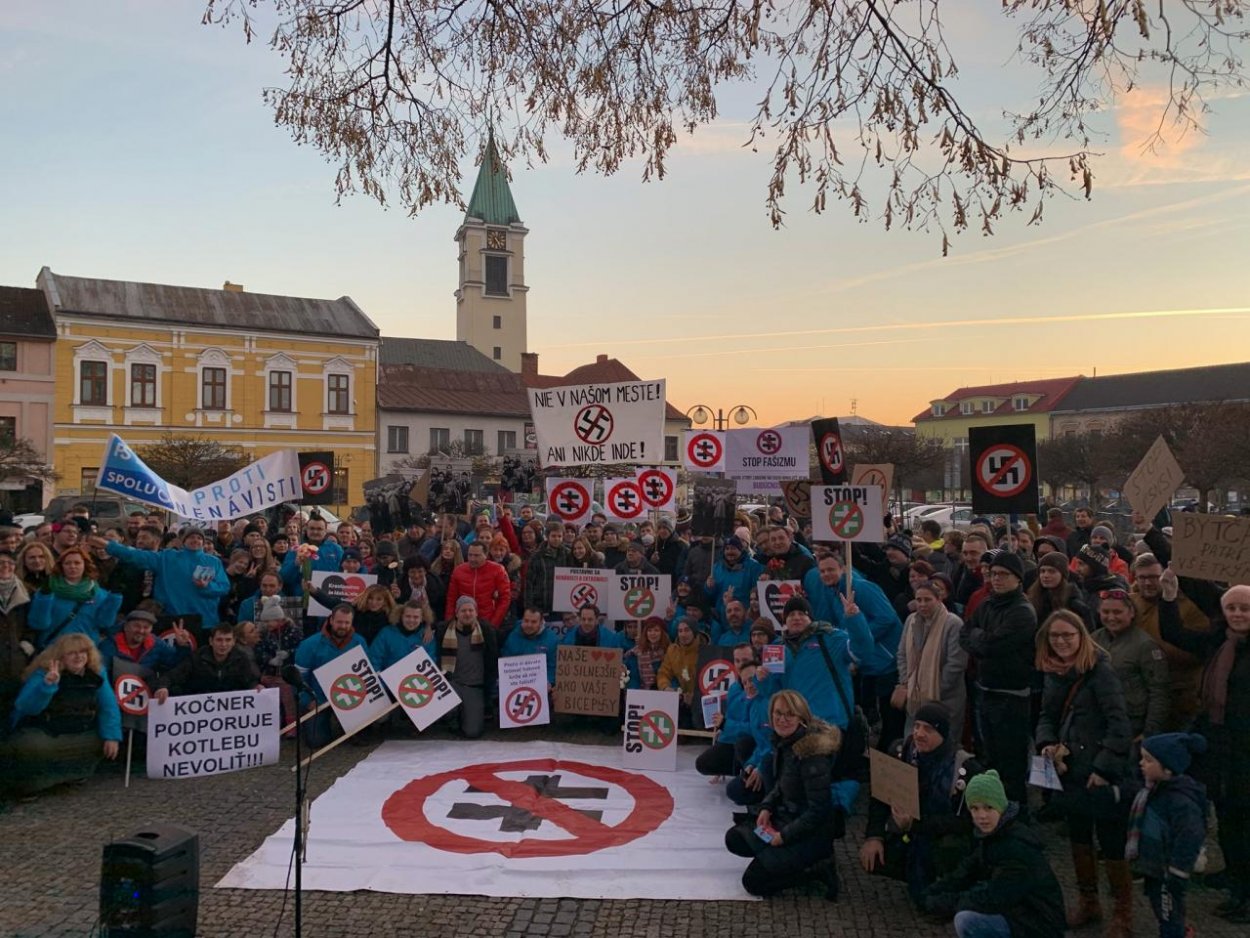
{"type": "Point", "coordinates": [232, 287]}
{"type": "Point", "coordinates": [529, 364]}
{"type": "Point", "coordinates": [600, 359]}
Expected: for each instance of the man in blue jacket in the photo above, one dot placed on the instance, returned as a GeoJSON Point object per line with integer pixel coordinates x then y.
{"type": "Point", "coordinates": [533, 637]}
{"type": "Point", "coordinates": [329, 557]}
{"type": "Point", "coordinates": [590, 632]}
{"type": "Point", "coordinates": [188, 582]}
{"type": "Point", "coordinates": [735, 570]}
{"type": "Point", "coordinates": [336, 637]}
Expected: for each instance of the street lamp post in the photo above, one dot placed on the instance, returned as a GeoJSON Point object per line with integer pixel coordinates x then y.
{"type": "Point", "coordinates": [739, 413]}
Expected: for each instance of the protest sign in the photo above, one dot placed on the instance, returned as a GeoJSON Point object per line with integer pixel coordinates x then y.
{"type": "Point", "coordinates": [132, 683]}
{"type": "Point", "coordinates": [767, 486]}
{"type": "Point", "coordinates": [573, 587]}
{"type": "Point", "coordinates": [714, 506]}
{"type": "Point", "coordinates": [638, 596]}
{"type": "Point", "coordinates": [778, 452]}
{"type": "Point", "coordinates": [895, 782]}
{"type": "Point", "coordinates": [847, 513]}
{"type": "Point", "coordinates": [623, 500]}
{"type": "Point", "coordinates": [338, 588]}
{"type": "Point", "coordinates": [830, 455]}
{"type": "Point", "coordinates": [316, 478]}
{"type": "Point", "coordinates": [353, 688]}
{"type": "Point", "coordinates": [570, 499]}
{"type": "Point", "coordinates": [596, 424]}
{"type": "Point", "coordinates": [210, 734]}
{"type": "Point", "coordinates": [703, 450]}
{"type": "Point", "coordinates": [650, 730]}
{"type": "Point", "coordinates": [1042, 774]}
{"type": "Point", "coordinates": [773, 596]}
{"type": "Point", "coordinates": [881, 474]}
{"type": "Point", "coordinates": [523, 691]}
{"type": "Point", "coordinates": [797, 494]}
{"type": "Point", "coordinates": [773, 659]}
{"type": "Point", "coordinates": [716, 675]}
{"type": "Point", "coordinates": [1154, 481]}
{"type": "Point", "coordinates": [271, 480]}
{"type": "Point", "coordinates": [588, 680]}
{"type": "Point", "coordinates": [658, 486]}
{"type": "Point", "coordinates": [420, 688]}
{"type": "Point", "coordinates": [1003, 462]}
{"type": "Point", "coordinates": [1211, 547]}
{"type": "Point", "coordinates": [711, 706]}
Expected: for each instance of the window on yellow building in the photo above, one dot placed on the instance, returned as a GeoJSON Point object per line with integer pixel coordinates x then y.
{"type": "Point", "coordinates": [213, 389]}
{"type": "Point", "coordinates": [339, 400]}
{"type": "Point", "coordinates": [142, 385]}
{"type": "Point", "coordinates": [86, 480]}
{"type": "Point", "coordinates": [280, 391]}
{"type": "Point", "coordinates": [93, 383]}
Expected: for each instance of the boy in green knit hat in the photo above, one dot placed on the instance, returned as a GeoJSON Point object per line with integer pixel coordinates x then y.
{"type": "Point", "coordinates": [1005, 888]}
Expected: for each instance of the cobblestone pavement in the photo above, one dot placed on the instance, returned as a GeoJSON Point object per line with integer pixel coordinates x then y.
{"type": "Point", "coordinates": [50, 857]}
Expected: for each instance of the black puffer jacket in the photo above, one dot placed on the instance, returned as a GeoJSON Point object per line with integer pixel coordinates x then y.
{"type": "Point", "coordinates": [999, 635]}
{"type": "Point", "coordinates": [203, 674]}
{"type": "Point", "coordinates": [1095, 726]}
{"type": "Point", "coordinates": [800, 801]}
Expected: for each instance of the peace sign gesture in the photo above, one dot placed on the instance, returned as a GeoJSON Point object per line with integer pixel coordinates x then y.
{"type": "Point", "coordinates": [181, 635]}
{"type": "Point", "coordinates": [54, 673]}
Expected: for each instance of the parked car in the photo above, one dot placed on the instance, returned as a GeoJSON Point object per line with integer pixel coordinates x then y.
{"type": "Point", "coordinates": [107, 509]}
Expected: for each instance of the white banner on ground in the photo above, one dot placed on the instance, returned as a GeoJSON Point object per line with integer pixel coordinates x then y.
{"type": "Point", "coordinates": [209, 734]}
{"type": "Point", "coordinates": [847, 513]}
{"type": "Point", "coordinates": [523, 691]}
{"type": "Point", "coordinates": [339, 587]}
{"type": "Point", "coordinates": [353, 688]}
{"type": "Point", "coordinates": [650, 740]}
{"type": "Point", "coordinates": [596, 424]}
{"type": "Point", "coordinates": [421, 689]}
{"type": "Point", "coordinates": [638, 596]}
{"type": "Point", "coordinates": [511, 819]}
{"type": "Point", "coordinates": [573, 588]}
{"type": "Point", "coordinates": [776, 452]}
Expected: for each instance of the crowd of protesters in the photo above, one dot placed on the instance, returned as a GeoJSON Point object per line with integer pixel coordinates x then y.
{"type": "Point", "coordinates": [966, 654]}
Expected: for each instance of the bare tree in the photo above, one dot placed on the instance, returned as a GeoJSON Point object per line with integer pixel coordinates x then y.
{"type": "Point", "coordinates": [20, 460]}
{"type": "Point", "coordinates": [191, 461]}
{"type": "Point", "coordinates": [918, 461]}
{"type": "Point", "coordinates": [1082, 459]}
{"type": "Point", "coordinates": [394, 91]}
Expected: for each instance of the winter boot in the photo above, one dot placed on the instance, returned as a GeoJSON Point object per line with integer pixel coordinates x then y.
{"type": "Point", "coordinates": [1087, 909]}
{"type": "Point", "coordinates": [1121, 878]}
{"type": "Point", "coordinates": [1238, 902]}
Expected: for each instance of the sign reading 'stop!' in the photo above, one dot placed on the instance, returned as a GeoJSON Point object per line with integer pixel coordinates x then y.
{"type": "Point", "coordinates": [595, 424]}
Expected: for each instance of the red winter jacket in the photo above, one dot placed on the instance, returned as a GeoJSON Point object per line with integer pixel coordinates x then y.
{"type": "Point", "coordinates": [488, 584]}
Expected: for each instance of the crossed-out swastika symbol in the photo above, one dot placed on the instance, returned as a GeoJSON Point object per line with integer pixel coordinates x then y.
{"type": "Point", "coordinates": [768, 442]}
{"type": "Point", "coordinates": [570, 502]}
{"type": "Point", "coordinates": [656, 489]}
{"type": "Point", "coordinates": [593, 424]}
{"type": "Point", "coordinates": [515, 820]}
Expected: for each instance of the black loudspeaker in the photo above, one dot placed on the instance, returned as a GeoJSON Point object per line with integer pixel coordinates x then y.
{"type": "Point", "coordinates": [150, 884]}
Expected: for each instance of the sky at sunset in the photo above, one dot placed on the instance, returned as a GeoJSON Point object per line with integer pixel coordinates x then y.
{"type": "Point", "coordinates": [137, 148]}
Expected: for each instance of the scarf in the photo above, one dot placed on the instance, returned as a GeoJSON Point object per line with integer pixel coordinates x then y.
{"type": "Point", "coordinates": [648, 661]}
{"type": "Point", "coordinates": [1138, 811]}
{"type": "Point", "coordinates": [329, 637]}
{"type": "Point", "coordinates": [924, 677]}
{"type": "Point", "coordinates": [1215, 680]}
{"type": "Point", "coordinates": [79, 592]}
{"type": "Point", "coordinates": [12, 594]}
{"type": "Point", "coordinates": [451, 643]}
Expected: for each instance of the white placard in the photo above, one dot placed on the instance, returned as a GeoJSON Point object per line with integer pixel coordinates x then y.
{"type": "Point", "coordinates": [570, 500]}
{"type": "Point", "coordinates": [772, 452]}
{"type": "Point", "coordinates": [597, 424]}
{"type": "Point", "coordinates": [574, 587]}
{"type": "Point", "coordinates": [773, 596]}
{"type": "Point", "coordinates": [650, 740]}
{"type": "Point", "coordinates": [420, 688]}
{"type": "Point", "coordinates": [210, 734]}
{"type": "Point", "coordinates": [703, 450]}
{"type": "Point", "coordinates": [341, 587]}
{"type": "Point", "coordinates": [523, 692]}
{"type": "Point", "coordinates": [639, 596]}
{"type": "Point", "coordinates": [847, 513]}
{"type": "Point", "coordinates": [1042, 774]}
{"type": "Point", "coordinates": [353, 688]}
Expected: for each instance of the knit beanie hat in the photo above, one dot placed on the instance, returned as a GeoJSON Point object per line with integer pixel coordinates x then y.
{"type": "Point", "coordinates": [1056, 561]}
{"type": "Point", "coordinates": [1175, 750]}
{"type": "Point", "coordinates": [465, 601]}
{"type": "Point", "coordinates": [936, 715]}
{"type": "Point", "coordinates": [986, 789]}
{"type": "Point", "coordinates": [796, 604]}
{"type": "Point", "coordinates": [271, 609]}
{"type": "Point", "coordinates": [1096, 558]}
{"type": "Point", "coordinates": [1103, 531]}
{"type": "Point", "coordinates": [1010, 561]}
{"type": "Point", "coordinates": [900, 544]}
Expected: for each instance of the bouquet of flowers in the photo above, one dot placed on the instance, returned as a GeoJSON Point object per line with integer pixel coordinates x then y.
{"type": "Point", "coordinates": [776, 569]}
{"type": "Point", "coordinates": [305, 554]}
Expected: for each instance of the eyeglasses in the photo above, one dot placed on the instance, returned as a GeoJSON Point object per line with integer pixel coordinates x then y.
{"type": "Point", "coordinates": [784, 715]}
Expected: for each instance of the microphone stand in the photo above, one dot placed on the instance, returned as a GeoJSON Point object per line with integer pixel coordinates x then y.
{"type": "Point", "coordinates": [291, 674]}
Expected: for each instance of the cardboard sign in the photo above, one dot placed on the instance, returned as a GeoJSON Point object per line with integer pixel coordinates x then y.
{"type": "Point", "coordinates": [773, 596]}
{"type": "Point", "coordinates": [597, 424]}
{"type": "Point", "coordinates": [638, 596]}
{"type": "Point", "coordinates": [420, 688]}
{"type": "Point", "coordinates": [1155, 480]}
{"type": "Point", "coordinates": [340, 587]}
{"type": "Point", "coordinates": [894, 782]}
{"type": "Point", "coordinates": [847, 513]}
{"type": "Point", "coordinates": [713, 508]}
{"type": "Point", "coordinates": [210, 734]}
{"type": "Point", "coordinates": [573, 588]}
{"type": "Point", "coordinates": [830, 454]}
{"type": "Point", "coordinates": [797, 494]}
{"type": "Point", "coordinates": [588, 681]}
{"type": "Point", "coordinates": [1211, 547]}
{"type": "Point", "coordinates": [354, 690]}
{"type": "Point", "coordinates": [650, 740]}
{"type": "Point", "coordinates": [776, 452]}
{"type": "Point", "coordinates": [523, 691]}
{"type": "Point", "coordinates": [1004, 468]}
{"type": "Point", "coordinates": [881, 473]}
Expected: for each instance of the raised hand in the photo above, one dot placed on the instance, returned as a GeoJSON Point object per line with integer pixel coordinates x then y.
{"type": "Point", "coordinates": [1169, 584]}
{"type": "Point", "coordinates": [53, 676]}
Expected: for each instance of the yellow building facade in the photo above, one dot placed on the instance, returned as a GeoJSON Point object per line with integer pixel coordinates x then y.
{"type": "Point", "coordinates": [252, 371]}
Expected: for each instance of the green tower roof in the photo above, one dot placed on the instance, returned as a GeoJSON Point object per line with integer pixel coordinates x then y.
{"type": "Point", "coordinates": [492, 199]}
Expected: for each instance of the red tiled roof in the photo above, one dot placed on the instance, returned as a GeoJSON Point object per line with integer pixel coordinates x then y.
{"type": "Point", "coordinates": [1049, 392]}
{"type": "Point", "coordinates": [439, 390]}
{"type": "Point", "coordinates": [603, 370]}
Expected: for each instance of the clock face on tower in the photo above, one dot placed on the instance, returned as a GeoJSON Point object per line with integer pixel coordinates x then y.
{"type": "Point", "coordinates": [496, 240]}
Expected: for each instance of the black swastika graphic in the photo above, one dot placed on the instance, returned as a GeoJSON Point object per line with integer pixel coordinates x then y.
{"type": "Point", "coordinates": [514, 820]}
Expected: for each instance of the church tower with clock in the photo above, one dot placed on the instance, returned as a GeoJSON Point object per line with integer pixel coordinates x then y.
{"type": "Point", "coordinates": [490, 298]}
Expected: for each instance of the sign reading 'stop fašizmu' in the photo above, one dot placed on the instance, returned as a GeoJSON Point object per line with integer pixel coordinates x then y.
{"type": "Point", "coordinates": [1003, 462]}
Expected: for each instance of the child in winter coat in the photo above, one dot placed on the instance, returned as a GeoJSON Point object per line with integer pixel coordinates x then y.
{"type": "Point", "coordinates": [1168, 825]}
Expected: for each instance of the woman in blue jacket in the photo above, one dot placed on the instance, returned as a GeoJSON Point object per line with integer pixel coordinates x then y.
{"type": "Point", "coordinates": [72, 602]}
{"type": "Point", "coordinates": [64, 720]}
